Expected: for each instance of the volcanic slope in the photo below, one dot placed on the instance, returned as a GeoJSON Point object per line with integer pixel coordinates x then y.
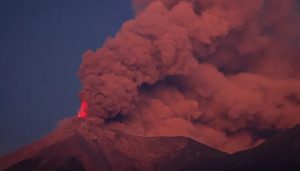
{"type": "Point", "coordinates": [87, 144]}
{"type": "Point", "coordinates": [279, 153]}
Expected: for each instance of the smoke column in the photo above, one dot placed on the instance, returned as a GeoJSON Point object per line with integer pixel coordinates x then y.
{"type": "Point", "coordinates": [224, 73]}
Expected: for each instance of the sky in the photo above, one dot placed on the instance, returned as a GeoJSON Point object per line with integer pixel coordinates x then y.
{"type": "Point", "coordinates": [41, 43]}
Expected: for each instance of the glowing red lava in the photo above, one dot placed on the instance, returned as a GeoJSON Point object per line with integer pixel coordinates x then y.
{"type": "Point", "coordinates": [82, 113]}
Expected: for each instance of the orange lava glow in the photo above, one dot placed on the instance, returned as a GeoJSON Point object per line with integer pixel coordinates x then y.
{"type": "Point", "coordinates": [82, 113]}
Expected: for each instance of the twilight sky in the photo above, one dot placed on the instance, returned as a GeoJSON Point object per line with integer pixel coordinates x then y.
{"type": "Point", "coordinates": [41, 43]}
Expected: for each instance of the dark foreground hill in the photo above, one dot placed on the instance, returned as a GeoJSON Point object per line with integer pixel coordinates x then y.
{"type": "Point", "coordinates": [279, 153]}
{"type": "Point", "coordinates": [88, 146]}
{"type": "Point", "coordinates": [83, 145]}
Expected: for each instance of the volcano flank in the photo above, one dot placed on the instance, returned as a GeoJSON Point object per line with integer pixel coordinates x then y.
{"type": "Point", "coordinates": [87, 145]}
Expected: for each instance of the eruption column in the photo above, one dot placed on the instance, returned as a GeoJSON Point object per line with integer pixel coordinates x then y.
{"type": "Point", "coordinates": [217, 71]}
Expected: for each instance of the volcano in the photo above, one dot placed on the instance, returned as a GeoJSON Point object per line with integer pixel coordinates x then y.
{"type": "Point", "coordinates": [210, 85]}
{"type": "Point", "coordinates": [89, 145]}
{"type": "Point", "coordinates": [86, 145]}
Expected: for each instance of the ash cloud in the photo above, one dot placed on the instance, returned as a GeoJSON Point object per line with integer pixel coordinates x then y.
{"type": "Point", "coordinates": [221, 72]}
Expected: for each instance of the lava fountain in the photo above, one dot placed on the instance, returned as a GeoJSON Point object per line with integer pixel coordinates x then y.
{"type": "Point", "coordinates": [82, 113]}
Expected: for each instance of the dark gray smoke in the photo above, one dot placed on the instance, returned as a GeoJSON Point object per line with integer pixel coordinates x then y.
{"type": "Point", "coordinates": [221, 72]}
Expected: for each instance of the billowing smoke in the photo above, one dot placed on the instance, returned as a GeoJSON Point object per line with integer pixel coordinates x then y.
{"type": "Point", "coordinates": [225, 73]}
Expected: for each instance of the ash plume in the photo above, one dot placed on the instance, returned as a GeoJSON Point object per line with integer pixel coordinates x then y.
{"type": "Point", "coordinates": [221, 72]}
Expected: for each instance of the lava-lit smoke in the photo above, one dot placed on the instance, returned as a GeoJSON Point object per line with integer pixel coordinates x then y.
{"type": "Point", "coordinates": [225, 73]}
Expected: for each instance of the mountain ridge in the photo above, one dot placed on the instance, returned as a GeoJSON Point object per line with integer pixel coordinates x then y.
{"type": "Point", "coordinates": [90, 146]}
